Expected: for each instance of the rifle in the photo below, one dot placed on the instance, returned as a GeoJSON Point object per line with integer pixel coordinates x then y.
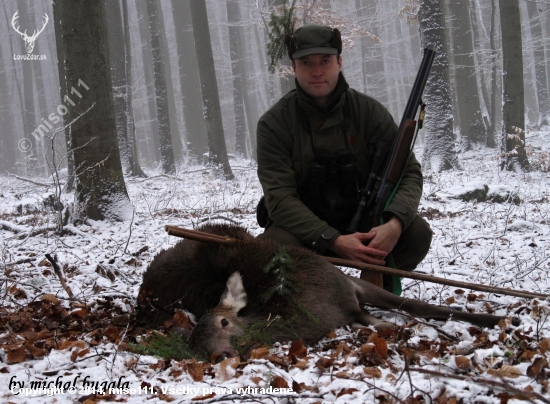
{"type": "Point", "coordinates": [379, 190]}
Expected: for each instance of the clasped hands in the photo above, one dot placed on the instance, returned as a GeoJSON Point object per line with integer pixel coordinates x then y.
{"type": "Point", "coordinates": [372, 247]}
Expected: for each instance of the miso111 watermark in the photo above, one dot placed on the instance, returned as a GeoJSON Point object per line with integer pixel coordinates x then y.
{"type": "Point", "coordinates": [25, 144]}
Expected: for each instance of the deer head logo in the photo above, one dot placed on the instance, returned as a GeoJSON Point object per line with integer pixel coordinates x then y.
{"type": "Point", "coordinates": [29, 40]}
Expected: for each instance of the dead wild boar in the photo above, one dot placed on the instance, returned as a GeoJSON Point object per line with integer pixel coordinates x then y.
{"type": "Point", "coordinates": [190, 275]}
{"type": "Point", "coordinates": [289, 291]}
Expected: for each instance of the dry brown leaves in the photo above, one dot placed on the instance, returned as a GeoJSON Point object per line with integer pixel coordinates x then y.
{"type": "Point", "coordinates": [32, 331]}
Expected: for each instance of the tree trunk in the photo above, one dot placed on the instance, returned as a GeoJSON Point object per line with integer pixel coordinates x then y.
{"type": "Point", "coordinates": [287, 82]}
{"type": "Point", "coordinates": [470, 118]}
{"type": "Point", "coordinates": [480, 56]}
{"type": "Point", "coordinates": [374, 69]}
{"type": "Point", "coordinates": [117, 57]}
{"type": "Point", "coordinates": [151, 134]}
{"type": "Point", "coordinates": [439, 150]}
{"type": "Point", "coordinates": [492, 135]}
{"type": "Point", "coordinates": [57, 14]}
{"type": "Point", "coordinates": [513, 106]}
{"type": "Point", "coordinates": [161, 96]}
{"type": "Point", "coordinates": [189, 79]}
{"type": "Point", "coordinates": [8, 141]}
{"type": "Point", "coordinates": [237, 70]}
{"type": "Point", "coordinates": [209, 88]}
{"type": "Point", "coordinates": [30, 117]}
{"type": "Point", "coordinates": [100, 190]}
{"type": "Point", "coordinates": [135, 167]}
{"type": "Point", "coordinates": [177, 145]}
{"type": "Point", "coordinates": [541, 79]}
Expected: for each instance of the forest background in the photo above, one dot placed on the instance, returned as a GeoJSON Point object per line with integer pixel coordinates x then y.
{"type": "Point", "coordinates": [119, 117]}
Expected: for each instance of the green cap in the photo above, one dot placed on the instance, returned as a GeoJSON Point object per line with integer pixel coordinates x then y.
{"type": "Point", "coordinates": [314, 39]}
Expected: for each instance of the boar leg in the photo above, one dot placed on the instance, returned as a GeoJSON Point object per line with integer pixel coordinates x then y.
{"type": "Point", "coordinates": [368, 293]}
{"type": "Point", "coordinates": [364, 319]}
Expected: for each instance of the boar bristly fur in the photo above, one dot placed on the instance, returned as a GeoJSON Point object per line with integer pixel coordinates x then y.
{"type": "Point", "coordinates": [293, 292]}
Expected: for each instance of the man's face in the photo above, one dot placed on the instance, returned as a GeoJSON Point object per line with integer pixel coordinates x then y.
{"type": "Point", "coordinates": [318, 75]}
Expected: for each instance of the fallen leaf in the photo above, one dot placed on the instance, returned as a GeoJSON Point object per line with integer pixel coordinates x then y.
{"type": "Point", "coordinates": [544, 345]}
{"type": "Point", "coordinates": [298, 349]}
{"type": "Point", "coordinates": [225, 369]}
{"type": "Point", "coordinates": [50, 298]}
{"type": "Point", "coordinates": [536, 368]}
{"type": "Point", "coordinates": [301, 364]}
{"type": "Point", "coordinates": [350, 390]}
{"type": "Point", "coordinates": [17, 355]}
{"type": "Point", "coordinates": [462, 362]}
{"type": "Point", "coordinates": [195, 370]}
{"type": "Point", "coordinates": [279, 383]}
{"type": "Point", "coordinates": [380, 346]}
{"type": "Point", "coordinates": [459, 291]}
{"type": "Point", "coordinates": [259, 353]}
{"type": "Point", "coordinates": [504, 397]}
{"type": "Point", "coordinates": [112, 333]}
{"type": "Point", "coordinates": [205, 397]}
{"type": "Point", "coordinates": [450, 300]}
{"type": "Point", "coordinates": [324, 363]}
{"type": "Point", "coordinates": [373, 372]}
{"type": "Point", "coordinates": [256, 380]}
{"type": "Point", "coordinates": [331, 334]}
{"type": "Point", "coordinates": [366, 348]}
{"type": "Point", "coordinates": [505, 371]}
{"type": "Point", "coordinates": [527, 355]}
{"type": "Point", "coordinates": [182, 320]}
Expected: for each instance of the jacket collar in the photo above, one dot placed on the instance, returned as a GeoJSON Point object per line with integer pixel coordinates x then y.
{"type": "Point", "coordinates": [334, 98]}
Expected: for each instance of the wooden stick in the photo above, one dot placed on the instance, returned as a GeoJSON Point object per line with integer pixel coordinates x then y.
{"type": "Point", "coordinates": [216, 239]}
{"type": "Point", "coordinates": [59, 273]}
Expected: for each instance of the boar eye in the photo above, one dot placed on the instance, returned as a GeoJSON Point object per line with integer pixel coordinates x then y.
{"type": "Point", "coordinates": [224, 322]}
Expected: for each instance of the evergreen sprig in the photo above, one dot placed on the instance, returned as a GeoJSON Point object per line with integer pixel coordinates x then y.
{"type": "Point", "coordinates": [171, 346]}
{"type": "Point", "coordinates": [286, 285]}
{"type": "Point", "coordinates": [280, 25]}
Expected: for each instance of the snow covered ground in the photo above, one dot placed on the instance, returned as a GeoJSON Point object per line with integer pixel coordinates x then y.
{"type": "Point", "coordinates": [50, 340]}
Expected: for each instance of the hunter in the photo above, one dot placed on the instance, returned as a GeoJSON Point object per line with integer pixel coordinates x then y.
{"type": "Point", "coordinates": [315, 148]}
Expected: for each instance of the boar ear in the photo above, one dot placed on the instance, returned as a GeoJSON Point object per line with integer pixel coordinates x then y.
{"type": "Point", "coordinates": [234, 297]}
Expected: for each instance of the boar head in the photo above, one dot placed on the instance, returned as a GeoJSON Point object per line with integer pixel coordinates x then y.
{"type": "Point", "coordinates": [214, 330]}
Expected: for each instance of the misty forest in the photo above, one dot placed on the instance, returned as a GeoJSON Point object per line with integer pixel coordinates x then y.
{"type": "Point", "coordinates": [121, 117]}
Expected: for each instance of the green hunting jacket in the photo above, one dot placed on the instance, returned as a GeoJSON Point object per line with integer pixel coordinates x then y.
{"type": "Point", "coordinates": [290, 131]}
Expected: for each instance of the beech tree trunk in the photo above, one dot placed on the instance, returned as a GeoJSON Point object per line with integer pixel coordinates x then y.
{"type": "Point", "coordinates": [439, 150]}
{"type": "Point", "coordinates": [189, 79]}
{"type": "Point", "coordinates": [470, 118]}
{"type": "Point", "coordinates": [209, 88]}
{"type": "Point", "coordinates": [100, 190]}
{"type": "Point", "coordinates": [541, 80]}
{"type": "Point", "coordinates": [161, 96]}
{"type": "Point", "coordinates": [236, 38]}
{"type": "Point", "coordinates": [57, 13]}
{"type": "Point", "coordinates": [513, 104]}
{"type": "Point", "coordinates": [135, 167]}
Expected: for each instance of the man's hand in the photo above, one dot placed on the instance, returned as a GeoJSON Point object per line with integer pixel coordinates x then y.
{"type": "Point", "coordinates": [372, 247]}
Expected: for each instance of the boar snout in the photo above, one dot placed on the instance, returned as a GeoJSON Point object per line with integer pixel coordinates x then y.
{"type": "Point", "coordinates": [214, 330]}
